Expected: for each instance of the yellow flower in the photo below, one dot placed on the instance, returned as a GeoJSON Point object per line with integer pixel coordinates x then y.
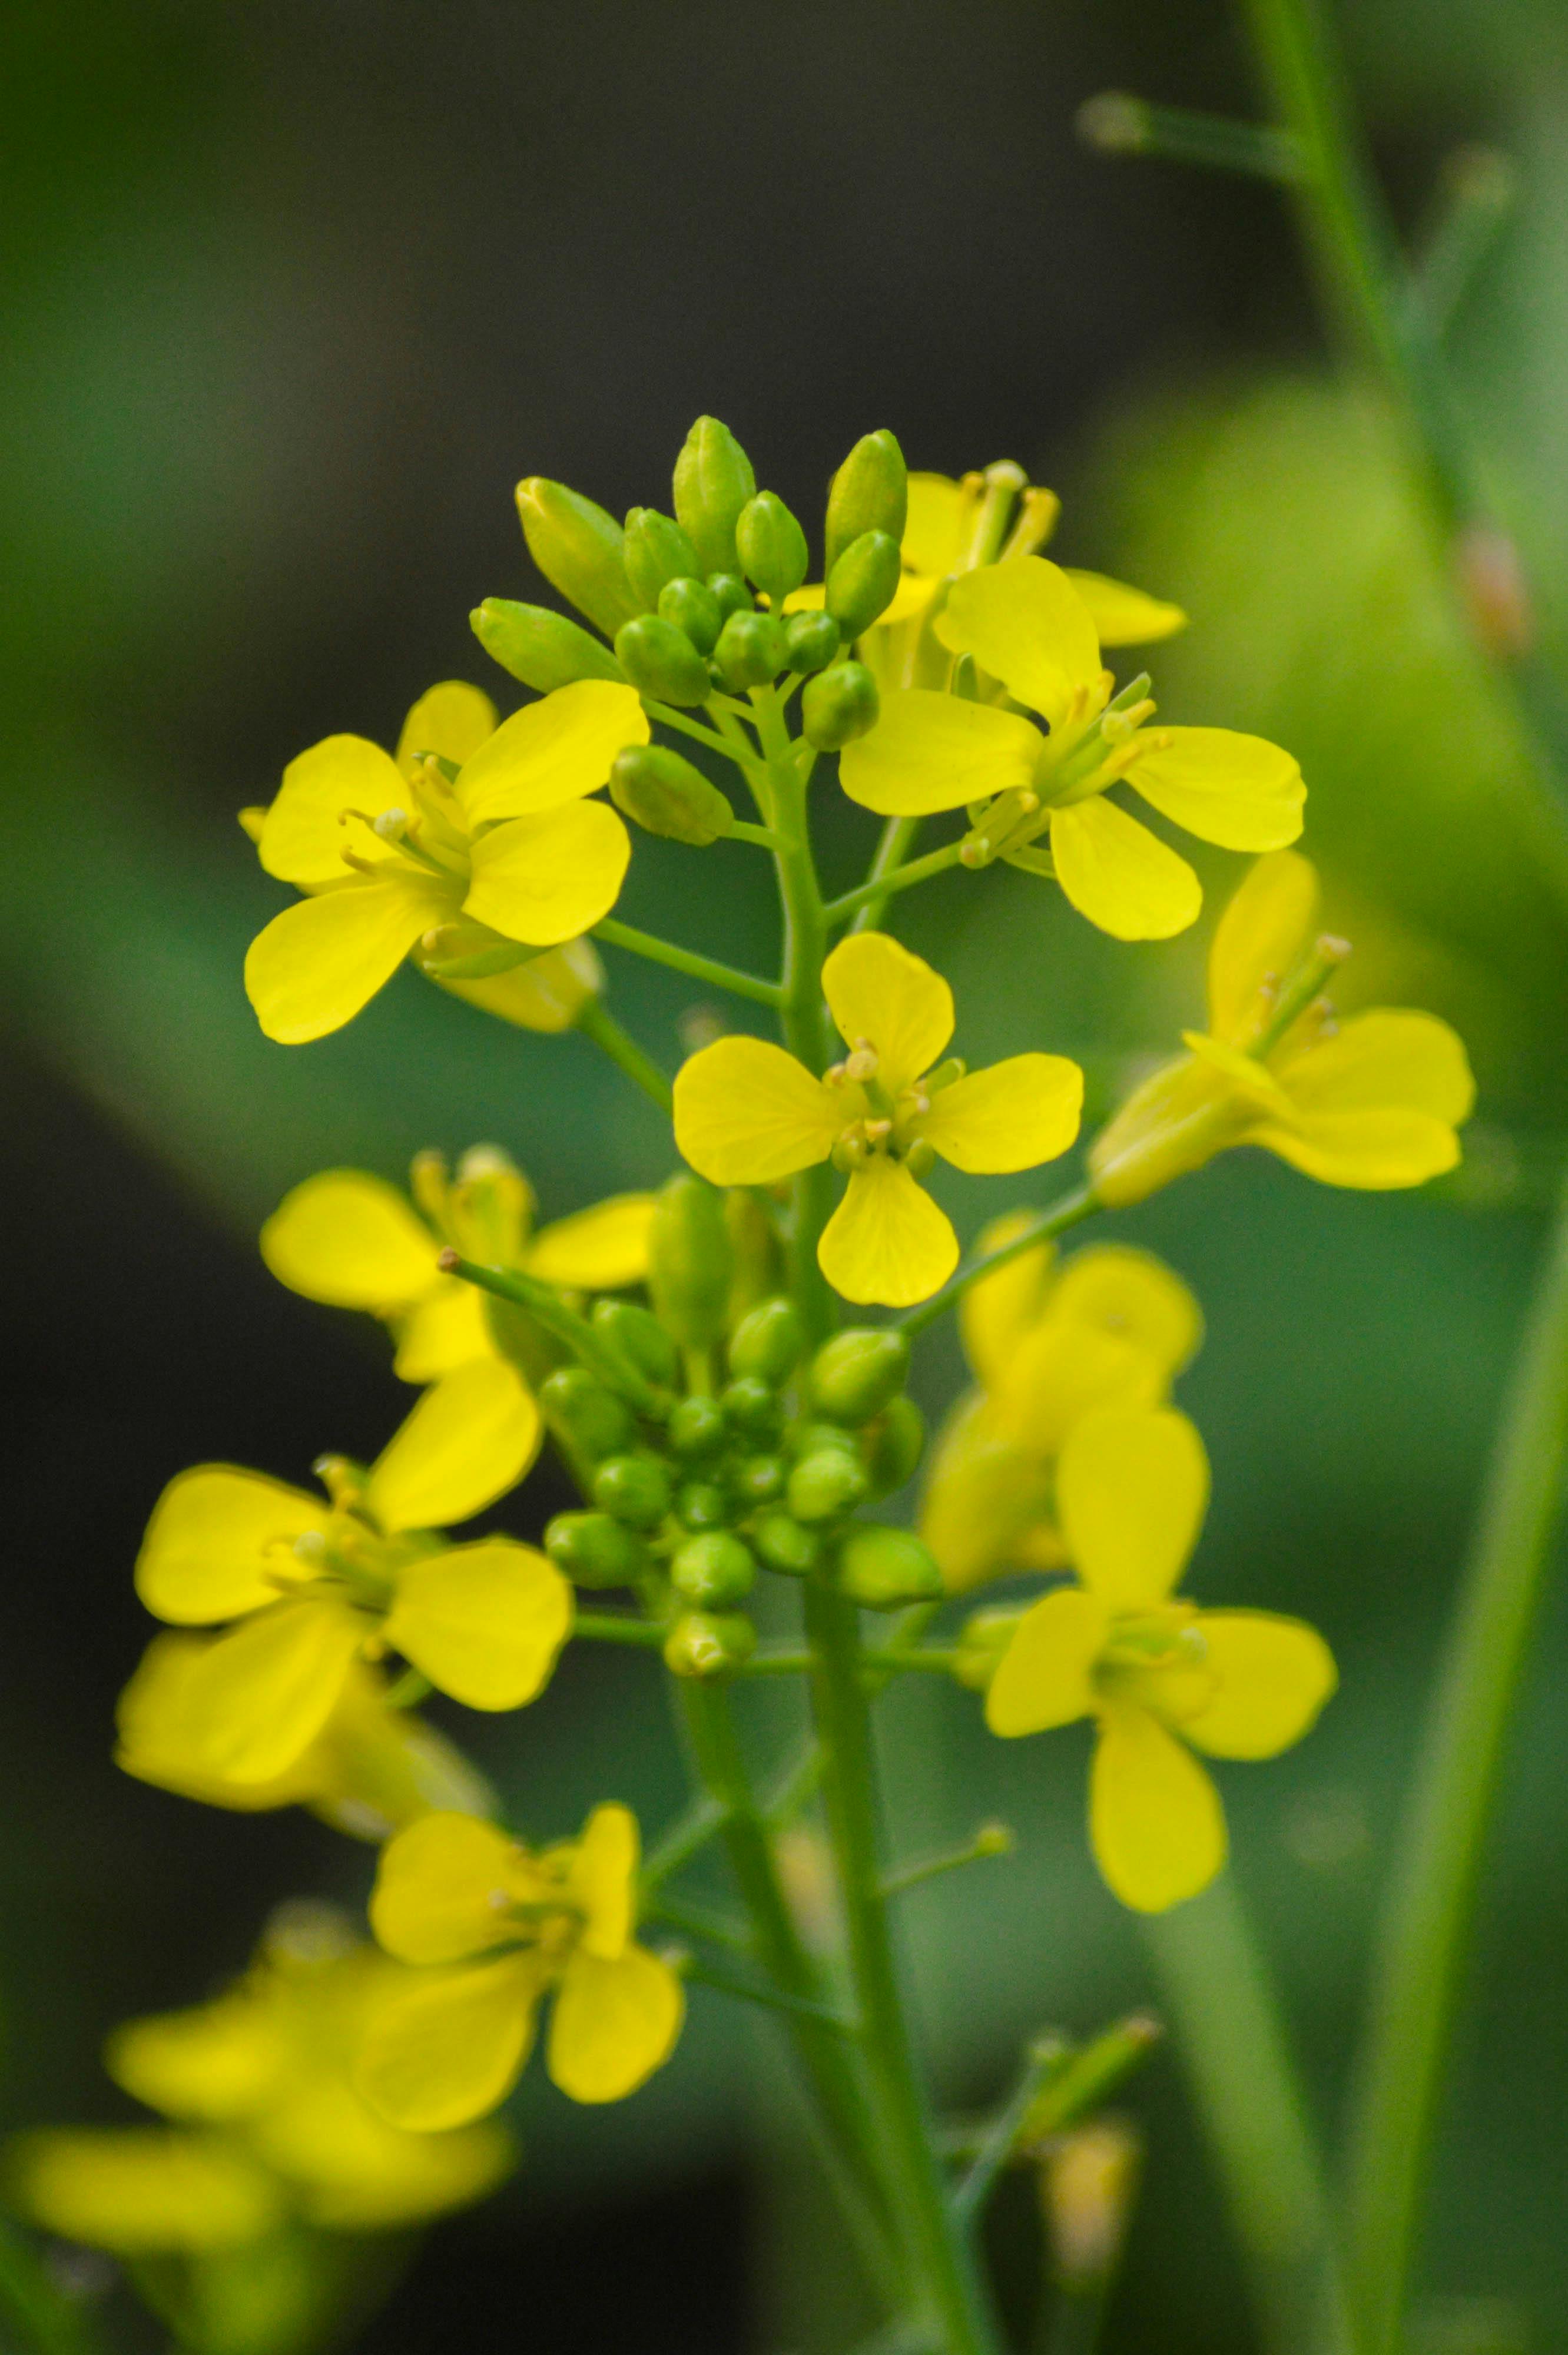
{"type": "Point", "coordinates": [747, 1113]}
{"type": "Point", "coordinates": [493, 1926]}
{"type": "Point", "coordinates": [477, 845]}
{"type": "Point", "coordinates": [351, 1239]}
{"type": "Point", "coordinates": [1161, 1677]}
{"type": "Point", "coordinates": [1026, 625]}
{"type": "Point", "coordinates": [313, 1588]}
{"type": "Point", "coordinates": [1049, 1345]}
{"type": "Point", "coordinates": [1373, 1101]}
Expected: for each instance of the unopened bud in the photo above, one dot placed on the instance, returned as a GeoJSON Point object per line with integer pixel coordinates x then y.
{"type": "Point", "coordinates": [713, 482]}
{"type": "Point", "coordinates": [838, 705]}
{"type": "Point", "coordinates": [824, 1486]}
{"type": "Point", "coordinates": [580, 549]}
{"type": "Point", "coordinates": [698, 1428]}
{"type": "Point", "coordinates": [772, 547]}
{"type": "Point", "coordinates": [595, 1550]}
{"type": "Point", "coordinates": [752, 650]}
{"type": "Point", "coordinates": [894, 1444]}
{"type": "Point", "coordinates": [661, 661]}
{"type": "Point", "coordinates": [709, 1644]}
{"type": "Point", "coordinates": [590, 1421]}
{"type": "Point", "coordinates": [733, 593]}
{"type": "Point", "coordinates": [638, 1339]}
{"type": "Point", "coordinates": [544, 650]}
{"type": "Point", "coordinates": [768, 1342]}
{"type": "Point", "coordinates": [856, 1374]}
{"type": "Point", "coordinates": [868, 493]}
{"type": "Point", "coordinates": [862, 582]}
{"type": "Point", "coordinates": [690, 1261]}
{"type": "Point", "coordinates": [812, 641]}
{"type": "Point", "coordinates": [703, 1504]}
{"type": "Point", "coordinates": [713, 1571]}
{"type": "Point", "coordinates": [689, 606]}
{"type": "Point", "coordinates": [883, 1568]}
{"type": "Point", "coordinates": [668, 795]}
{"type": "Point", "coordinates": [656, 551]}
{"type": "Point", "coordinates": [785, 1545]}
{"type": "Point", "coordinates": [635, 1488]}
{"type": "Point", "coordinates": [751, 1408]}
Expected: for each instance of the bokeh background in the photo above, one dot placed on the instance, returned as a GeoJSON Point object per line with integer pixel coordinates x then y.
{"type": "Point", "coordinates": [296, 294]}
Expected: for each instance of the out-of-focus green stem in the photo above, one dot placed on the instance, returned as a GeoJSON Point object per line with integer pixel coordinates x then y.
{"type": "Point", "coordinates": [36, 2316]}
{"type": "Point", "coordinates": [623, 1050]}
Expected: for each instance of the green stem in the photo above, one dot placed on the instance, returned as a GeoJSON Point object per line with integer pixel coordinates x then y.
{"type": "Point", "coordinates": [1430, 1906]}
{"type": "Point", "coordinates": [686, 1837]}
{"type": "Point", "coordinates": [762, 835]}
{"type": "Point", "coordinates": [687, 961]}
{"type": "Point", "coordinates": [1079, 1204]}
{"type": "Point", "coordinates": [685, 725]}
{"type": "Point", "coordinates": [772, 1998]}
{"type": "Point", "coordinates": [698, 1922]}
{"type": "Point", "coordinates": [612, 1628]}
{"type": "Point", "coordinates": [881, 889]}
{"type": "Point", "coordinates": [45, 2321]}
{"type": "Point", "coordinates": [975, 2187]}
{"type": "Point", "coordinates": [641, 1069]}
{"type": "Point", "coordinates": [898, 839]}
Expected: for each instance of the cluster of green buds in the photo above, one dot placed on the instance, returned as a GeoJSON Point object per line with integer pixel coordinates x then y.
{"type": "Point", "coordinates": [730, 1451]}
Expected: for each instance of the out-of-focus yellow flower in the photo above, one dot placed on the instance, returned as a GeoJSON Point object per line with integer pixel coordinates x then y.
{"type": "Point", "coordinates": [315, 1587]}
{"type": "Point", "coordinates": [1374, 1102]}
{"type": "Point", "coordinates": [1159, 1677]}
{"type": "Point", "coordinates": [747, 1113]}
{"type": "Point", "coordinates": [493, 1927]}
{"type": "Point", "coordinates": [351, 1239]}
{"type": "Point", "coordinates": [142, 2190]}
{"type": "Point", "coordinates": [1049, 1344]}
{"type": "Point", "coordinates": [475, 847]}
{"type": "Point", "coordinates": [1025, 624]}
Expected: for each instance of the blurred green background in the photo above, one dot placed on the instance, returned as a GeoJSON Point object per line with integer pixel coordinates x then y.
{"type": "Point", "coordinates": [295, 295]}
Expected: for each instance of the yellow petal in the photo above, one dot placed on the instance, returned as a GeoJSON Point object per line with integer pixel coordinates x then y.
{"type": "Point", "coordinates": [442, 1888]}
{"type": "Point", "coordinates": [1026, 623]}
{"type": "Point", "coordinates": [1123, 616]}
{"type": "Point", "coordinates": [995, 1313]}
{"type": "Point", "coordinates": [1061, 1371]}
{"type": "Point", "coordinates": [216, 1537]}
{"type": "Point", "coordinates": [599, 1249]}
{"type": "Point", "coordinates": [547, 994]}
{"type": "Point", "coordinates": [981, 1494]}
{"type": "Point", "coordinates": [746, 1113]}
{"type": "Point", "coordinates": [142, 2190]}
{"type": "Point", "coordinates": [450, 720]}
{"type": "Point", "coordinates": [445, 1330]}
{"type": "Point", "coordinates": [453, 2045]}
{"type": "Point", "coordinates": [1271, 1677]}
{"type": "Point", "coordinates": [1155, 1818]}
{"type": "Point", "coordinates": [604, 1879]}
{"type": "Point", "coordinates": [1129, 1293]}
{"type": "Point", "coordinates": [552, 752]}
{"type": "Point", "coordinates": [547, 878]}
{"type": "Point", "coordinates": [1377, 1060]}
{"type": "Point", "coordinates": [1119, 875]}
{"type": "Point", "coordinates": [1045, 1676]}
{"type": "Point", "coordinates": [1238, 790]}
{"type": "Point", "coordinates": [936, 531]}
{"type": "Point", "coordinates": [1258, 939]}
{"type": "Point", "coordinates": [1131, 1491]}
{"type": "Point", "coordinates": [471, 1438]}
{"type": "Point", "coordinates": [261, 1695]}
{"type": "Point", "coordinates": [930, 751]}
{"type": "Point", "coordinates": [351, 1239]}
{"type": "Point", "coordinates": [1012, 1117]}
{"type": "Point", "coordinates": [614, 2024]}
{"type": "Point", "coordinates": [876, 989]}
{"type": "Point", "coordinates": [154, 1743]}
{"type": "Point", "coordinates": [304, 836]}
{"type": "Point", "coordinates": [217, 2061]}
{"type": "Point", "coordinates": [886, 1241]}
{"type": "Point", "coordinates": [483, 1622]}
{"type": "Point", "coordinates": [313, 968]}
{"type": "Point", "coordinates": [351, 2172]}
{"type": "Point", "coordinates": [1375, 1151]}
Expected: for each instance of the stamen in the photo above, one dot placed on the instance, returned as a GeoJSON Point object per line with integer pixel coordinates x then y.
{"type": "Point", "coordinates": [863, 1064]}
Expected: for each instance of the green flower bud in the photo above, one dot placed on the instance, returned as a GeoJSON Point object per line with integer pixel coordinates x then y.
{"type": "Point", "coordinates": [709, 1644]}
{"type": "Point", "coordinates": [784, 1546]}
{"type": "Point", "coordinates": [700, 1504]}
{"type": "Point", "coordinates": [698, 1428]}
{"type": "Point", "coordinates": [541, 648]}
{"type": "Point", "coordinates": [772, 547]}
{"type": "Point", "coordinates": [981, 1643]}
{"type": "Point", "coordinates": [749, 1406]}
{"type": "Point", "coordinates": [894, 1444]}
{"type": "Point", "coordinates": [811, 1438]}
{"type": "Point", "coordinates": [713, 481]}
{"type": "Point", "coordinates": [733, 593]}
{"type": "Point", "coordinates": [690, 605]}
{"type": "Point", "coordinates": [656, 550]}
{"type": "Point", "coordinates": [868, 493]}
{"type": "Point", "coordinates": [751, 651]}
{"type": "Point", "coordinates": [713, 1571]}
{"type": "Point", "coordinates": [635, 1488]}
{"type": "Point", "coordinates": [661, 661]}
{"type": "Point", "coordinates": [666, 794]}
{"type": "Point", "coordinates": [811, 640]}
{"type": "Point", "coordinates": [838, 705]}
{"type": "Point", "coordinates": [862, 582]}
{"type": "Point", "coordinates": [823, 1486]}
{"type": "Point", "coordinates": [882, 1567]}
{"type": "Point", "coordinates": [587, 1418]}
{"type": "Point", "coordinates": [854, 1376]}
{"type": "Point", "coordinates": [594, 1550]}
{"type": "Point", "coordinates": [759, 1256]}
{"type": "Point", "coordinates": [638, 1339]}
{"type": "Point", "coordinates": [690, 1261]}
{"type": "Point", "coordinates": [768, 1342]}
{"type": "Point", "coordinates": [580, 549]}
{"type": "Point", "coordinates": [759, 1479]}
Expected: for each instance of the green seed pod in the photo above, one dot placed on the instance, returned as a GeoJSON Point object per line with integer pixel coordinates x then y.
{"type": "Point", "coordinates": [894, 1444]}
{"type": "Point", "coordinates": [698, 1428]}
{"type": "Point", "coordinates": [811, 641]}
{"type": "Point", "coordinates": [854, 1376]}
{"type": "Point", "coordinates": [882, 1567]}
{"type": "Point", "coordinates": [784, 1546]}
{"type": "Point", "coordinates": [638, 1339]}
{"type": "Point", "coordinates": [690, 1261]}
{"type": "Point", "coordinates": [580, 549]}
{"type": "Point", "coordinates": [751, 651]}
{"type": "Point", "coordinates": [661, 661]}
{"type": "Point", "coordinates": [709, 1644]}
{"type": "Point", "coordinates": [750, 1407]}
{"type": "Point", "coordinates": [827, 1484]}
{"type": "Point", "coordinates": [713, 481]}
{"type": "Point", "coordinates": [868, 493]}
{"type": "Point", "coordinates": [541, 648]}
{"type": "Point", "coordinates": [713, 1571]}
{"type": "Point", "coordinates": [589, 1420]}
{"type": "Point", "coordinates": [656, 550]}
{"type": "Point", "coordinates": [594, 1550]}
{"type": "Point", "coordinates": [666, 795]}
{"type": "Point", "coordinates": [838, 705]}
{"type": "Point", "coordinates": [759, 1479]}
{"type": "Point", "coordinates": [702, 1506]}
{"type": "Point", "coordinates": [768, 1342]}
{"type": "Point", "coordinates": [690, 605]}
{"type": "Point", "coordinates": [635, 1488]}
{"type": "Point", "coordinates": [731, 592]}
{"type": "Point", "coordinates": [772, 547]}
{"type": "Point", "coordinates": [862, 582]}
